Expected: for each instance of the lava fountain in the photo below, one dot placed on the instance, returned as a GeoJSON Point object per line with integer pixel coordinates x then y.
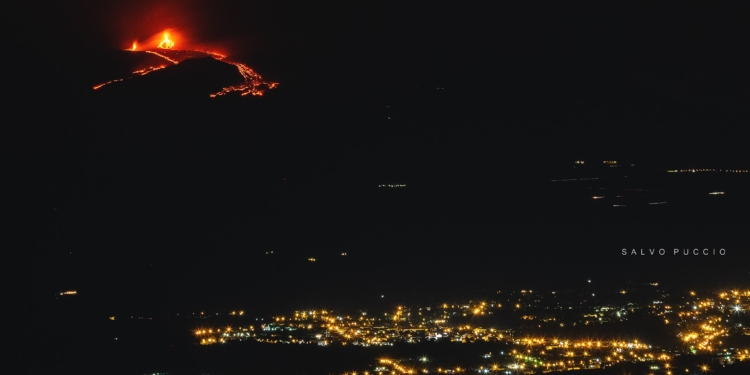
{"type": "Point", "coordinates": [166, 43]}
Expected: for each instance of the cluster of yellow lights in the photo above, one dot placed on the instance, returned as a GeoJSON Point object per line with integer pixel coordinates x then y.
{"type": "Point", "coordinates": [621, 351]}
{"type": "Point", "coordinates": [700, 320]}
{"type": "Point", "coordinates": [571, 354]}
{"type": "Point", "coordinates": [703, 318]}
{"type": "Point", "coordinates": [697, 170]}
{"type": "Point", "coordinates": [396, 367]}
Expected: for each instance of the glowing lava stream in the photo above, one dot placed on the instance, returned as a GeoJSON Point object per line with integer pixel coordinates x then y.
{"type": "Point", "coordinates": [252, 84]}
{"type": "Point", "coordinates": [97, 87]}
{"type": "Point", "coordinates": [173, 61]}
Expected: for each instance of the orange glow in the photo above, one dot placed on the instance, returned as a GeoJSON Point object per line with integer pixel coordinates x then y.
{"type": "Point", "coordinates": [97, 87]}
{"type": "Point", "coordinates": [173, 61]}
{"type": "Point", "coordinates": [148, 70]}
{"type": "Point", "coordinates": [166, 43]}
{"type": "Point", "coordinates": [252, 84]}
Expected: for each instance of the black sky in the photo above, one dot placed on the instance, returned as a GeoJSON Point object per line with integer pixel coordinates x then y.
{"type": "Point", "coordinates": [663, 64]}
{"type": "Point", "coordinates": [173, 195]}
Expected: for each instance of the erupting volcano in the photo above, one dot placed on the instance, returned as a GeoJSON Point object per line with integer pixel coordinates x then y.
{"type": "Point", "coordinates": [248, 81]}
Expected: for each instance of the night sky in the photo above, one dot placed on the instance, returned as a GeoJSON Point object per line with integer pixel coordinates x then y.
{"type": "Point", "coordinates": [173, 204]}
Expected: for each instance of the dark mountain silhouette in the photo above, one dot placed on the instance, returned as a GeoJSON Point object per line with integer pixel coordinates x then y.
{"type": "Point", "coordinates": [190, 78]}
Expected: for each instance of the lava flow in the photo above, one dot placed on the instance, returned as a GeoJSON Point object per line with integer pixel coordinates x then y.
{"type": "Point", "coordinates": [253, 83]}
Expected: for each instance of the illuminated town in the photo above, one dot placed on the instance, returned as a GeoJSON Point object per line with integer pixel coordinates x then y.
{"type": "Point", "coordinates": [542, 331]}
{"type": "Point", "coordinates": [699, 170]}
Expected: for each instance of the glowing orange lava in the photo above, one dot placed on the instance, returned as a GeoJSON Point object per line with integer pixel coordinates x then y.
{"type": "Point", "coordinates": [173, 61]}
{"type": "Point", "coordinates": [166, 43]}
{"type": "Point", "coordinates": [253, 84]}
{"type": "Point", "coordinates": [97, 87]}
